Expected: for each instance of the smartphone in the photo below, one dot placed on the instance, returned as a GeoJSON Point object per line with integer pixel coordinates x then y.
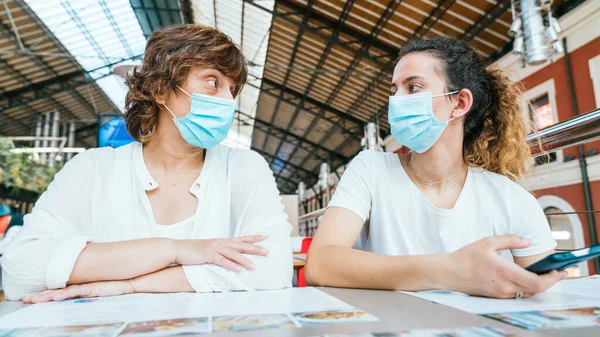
{"type": "Point", "coordinates": [564, 260]}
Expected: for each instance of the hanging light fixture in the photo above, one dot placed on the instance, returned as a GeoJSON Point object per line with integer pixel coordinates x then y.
{"type": "Point", "coordinates": [302, 191]}
{"type": "Point", "coordinates": [515, 27]}
{"type": "Point", "coordinates": [324, 176]}
{"type": "Point", "coordinates": [518, 44]}
{"type": "Point", "coordinates": [535, 31]}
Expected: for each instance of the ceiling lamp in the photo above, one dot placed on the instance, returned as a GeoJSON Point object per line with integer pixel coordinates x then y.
{"type": "Point", "coordinates": [535, 31]}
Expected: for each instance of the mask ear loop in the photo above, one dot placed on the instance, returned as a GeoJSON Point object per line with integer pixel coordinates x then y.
{"type": "Point", "coordinates": [446, 94]}
{"type": "Point", "coordinates": [185, 92]}
{"type": "Point", "coordinates": [169, 110]}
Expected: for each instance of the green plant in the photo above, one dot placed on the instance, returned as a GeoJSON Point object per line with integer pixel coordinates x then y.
{"type": "Point", "coordinates": [21, 171]}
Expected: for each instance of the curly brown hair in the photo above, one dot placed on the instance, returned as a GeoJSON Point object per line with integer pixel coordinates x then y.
{"type": "Point", "coordinates": [495, 130]}
{"type": "Point", "coordinates": [170, 54]}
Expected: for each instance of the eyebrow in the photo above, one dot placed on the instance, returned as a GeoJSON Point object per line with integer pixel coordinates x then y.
{"type": "Point", "coordinates": [211, 72]}
{"type": "Point", "coordinates": [410, 78]}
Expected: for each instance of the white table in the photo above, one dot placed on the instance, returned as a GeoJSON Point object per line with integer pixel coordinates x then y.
{"type": "Point", "coordinates": [395, 311]}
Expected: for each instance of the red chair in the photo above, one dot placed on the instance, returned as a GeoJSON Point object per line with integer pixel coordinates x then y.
{"type": "Point", "coordinates": [303, 250]}
{"type": "Point", "coordinates": [4, 222]}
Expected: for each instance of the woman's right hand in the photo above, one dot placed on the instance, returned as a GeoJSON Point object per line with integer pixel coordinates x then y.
{"type": "Point", "coordinates": [226, 253]}
{"type": "Point", "coordinates": [478, 269]}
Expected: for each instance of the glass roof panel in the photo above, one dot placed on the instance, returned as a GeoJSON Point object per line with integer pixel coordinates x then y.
{"type": "Point", "coordinates": [97, 33]}
{"type": "Point", "coordinates": [106, 32]}
{"type": "Point", "coordinates": [252, 34]}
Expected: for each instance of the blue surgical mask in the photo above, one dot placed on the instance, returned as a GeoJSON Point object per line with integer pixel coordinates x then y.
{"type": "Point", "coordinates": [412, 121]}
{"type": "Point", "coordinates": [208, 122]}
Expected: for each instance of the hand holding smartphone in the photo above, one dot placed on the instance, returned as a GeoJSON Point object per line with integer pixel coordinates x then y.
{"type": "Point", "coordinates": [564, 260]}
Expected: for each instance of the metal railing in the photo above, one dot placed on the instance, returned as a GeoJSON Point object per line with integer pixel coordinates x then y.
{"type": "Point", "coordinates": [577, 130]}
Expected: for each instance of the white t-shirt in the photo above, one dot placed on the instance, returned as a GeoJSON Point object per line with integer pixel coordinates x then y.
{"type": "Point", "coordinates": [177, 231]}
{"type": "Point", "coordinates": [404, 222]}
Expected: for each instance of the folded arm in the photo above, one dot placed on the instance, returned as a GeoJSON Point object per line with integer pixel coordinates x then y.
{"type": "Point", "coordinates": [257, 209]}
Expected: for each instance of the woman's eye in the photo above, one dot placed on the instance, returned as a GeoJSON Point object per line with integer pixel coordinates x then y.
{"type": "Point", "coordinates": [413, 88]}
{"type": "Point", "coordinates": [213, 83]}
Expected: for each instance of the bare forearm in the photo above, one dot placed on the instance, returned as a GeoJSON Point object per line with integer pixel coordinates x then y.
{"type": "Point", "coordinates": [350, 268]}
{"type": "Point", "coordinates": [122, 260]}
{"type": "Point", "coordinates": [168, 280]}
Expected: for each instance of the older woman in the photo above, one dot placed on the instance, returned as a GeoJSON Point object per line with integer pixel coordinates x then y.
{"type": "Point", "coordinates": [175, 212]}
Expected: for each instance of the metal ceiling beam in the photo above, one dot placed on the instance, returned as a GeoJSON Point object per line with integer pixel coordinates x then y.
{"type": "Point", "coordinates": [187, 12]}
{"type": "Point", "coordinates": [59, 45]}
{"type": "Point", "coordinates": [486, 20]}
{"type": "Point", "coordinates": [33, 113]}
{"type": "Point", "coordinates": [115, 27]}
{"type": "Point", "coordinates": [379, 26]}
{"type": "Point", "coordinates": [147, 31]}
{"type": "Point", "coordinates": [83, 29]}
{"type": "Point", "coordinates": [293, 54]}
{"type": "Point", "coordinates": [159, 17]}
{"type": "Point", "coordinates": [46, 68]}
{"type": "Point", "coordinates": [16, 129]}
{"type": "Point", "coordinates": [308, 173]}
{"type": "Point", "coordinates": [481, 24]}
{"type": "Point", "coordinates": [40, 63]}
{"type": "Point", "coordinates": [325, 23]}
{"type": "Point", "coordinates": [17, 75]}
{"type": "Point", "coordinates": [11, 120]}
{"type": "Point", "coordinates": [340, 24]}
{"type": "Point", "coordinates": [355, 132]}
{"type": "Point", "coordinates": [53, 86]}
{"type": "Point", "coordinates": [243, 19]}
{"type": "Point", "coordinates": [435, 16]}
{"type": "Point", "coordinates": [334, 158]}
{"type": "Point", "coordinates": [293, 139]}
{"type": "Point", "coordinates": [330, 24]}
{"type": "Point", "coordinates": [42, 89]}
{"type": "Point", "coordinates": [87, 131]}
{"type": "Point", "coordinates": [92, 41]}
{"type": "Point", "coordinates": [143, 9]}
{"type": "Point", "coordinates": [287, 181]}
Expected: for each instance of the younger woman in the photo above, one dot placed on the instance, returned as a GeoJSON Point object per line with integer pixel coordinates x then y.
{"type": "Point", "coordinates": [449, 214]}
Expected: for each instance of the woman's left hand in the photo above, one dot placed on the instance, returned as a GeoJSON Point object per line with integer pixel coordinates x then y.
{"type": "Point", "coordinates": [96, 289]}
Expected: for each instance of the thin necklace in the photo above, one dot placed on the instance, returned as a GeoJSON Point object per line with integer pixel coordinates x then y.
{"type": "Point", "coordinates": [427, 181]}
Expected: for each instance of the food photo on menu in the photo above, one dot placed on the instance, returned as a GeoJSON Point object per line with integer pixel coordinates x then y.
{"type": "Point", "coordinates": [333, 317]}
{"type": "Point", "coordinates": [251, 322]}
{"type": "Point", "coordinates": [167, 327]}
{"type": "Point", "coordinates": [551, 319]}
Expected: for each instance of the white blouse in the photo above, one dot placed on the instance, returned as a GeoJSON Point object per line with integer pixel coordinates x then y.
{"type": "Point", "coordinates": [100, 196]}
